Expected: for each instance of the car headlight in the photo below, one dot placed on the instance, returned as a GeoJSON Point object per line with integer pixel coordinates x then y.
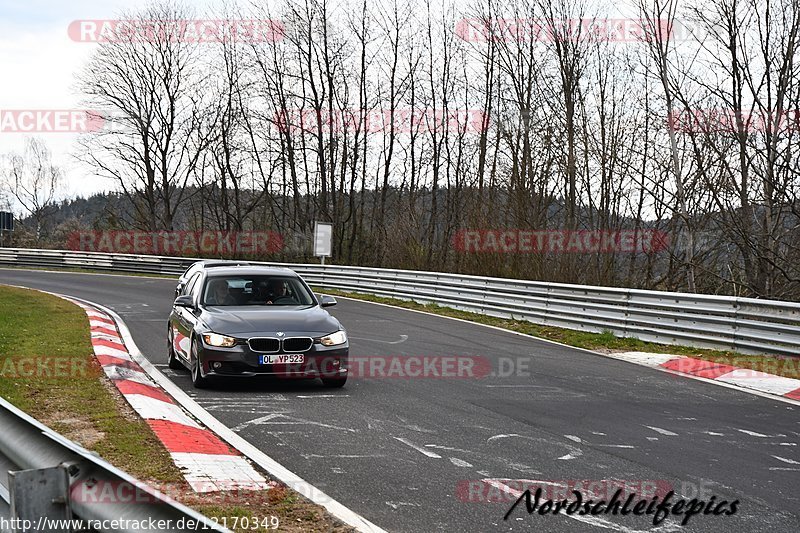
{"type": "Point", "coordinates": [334, 339]}
{"type": "Point", "coordinates": [215, 339]}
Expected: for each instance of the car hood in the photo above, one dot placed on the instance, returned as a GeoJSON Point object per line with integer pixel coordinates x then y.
{"type": "Point", "coordinates": [263, 320]}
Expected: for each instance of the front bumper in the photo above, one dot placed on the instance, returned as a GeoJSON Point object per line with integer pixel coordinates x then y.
{"type": "Point", "coordinates": [241, 361]}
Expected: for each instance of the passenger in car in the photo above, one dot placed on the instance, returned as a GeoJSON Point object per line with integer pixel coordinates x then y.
{"type": "Point", "coordinates": [218, 293]}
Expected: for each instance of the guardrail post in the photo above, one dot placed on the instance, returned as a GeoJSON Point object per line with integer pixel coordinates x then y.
{"type": "Point", "coordinates": [41, 496]}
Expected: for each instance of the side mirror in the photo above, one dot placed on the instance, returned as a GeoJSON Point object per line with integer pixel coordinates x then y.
{"type": "Point", "coordinates": [326, 301]}
{"type": "Point", "coordinates": [184, 301]}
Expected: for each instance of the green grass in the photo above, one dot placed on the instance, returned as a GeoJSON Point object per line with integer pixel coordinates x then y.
{"type": "Point", "coordinates": [604, 342]}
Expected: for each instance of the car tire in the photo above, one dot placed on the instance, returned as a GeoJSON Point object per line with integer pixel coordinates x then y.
{"type": "Point", "coordinates": [172, 359]}
{"type": "Point", "coordinates": [198, 380]}
{"type": "Point", "coordinates": [334, 383]}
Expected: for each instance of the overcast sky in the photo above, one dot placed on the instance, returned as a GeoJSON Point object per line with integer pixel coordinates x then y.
{"type": "Point", "coordinates": [39, 62]}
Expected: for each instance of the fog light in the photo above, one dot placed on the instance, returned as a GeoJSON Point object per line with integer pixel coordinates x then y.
{"type": "Point", "coordinates": [216, 365]}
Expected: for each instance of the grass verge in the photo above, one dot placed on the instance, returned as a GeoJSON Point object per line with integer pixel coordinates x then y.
{"type": "Point", "coordinates": [604, 342]}
{"type": "Point", "coordinates": [48, 370]}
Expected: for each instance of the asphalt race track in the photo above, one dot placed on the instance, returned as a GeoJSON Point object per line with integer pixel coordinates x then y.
{"type": "Point", "coordinates": [397, 450]}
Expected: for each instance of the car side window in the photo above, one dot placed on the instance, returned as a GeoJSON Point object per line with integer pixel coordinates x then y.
{"type": "Point", "coordinates": [187, 289]}
{"type": "Point", "coordinates": [197, 287]}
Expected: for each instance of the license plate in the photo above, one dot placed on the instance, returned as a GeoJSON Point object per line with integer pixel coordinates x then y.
{"type": "Point", "coordinates": [282, 359]}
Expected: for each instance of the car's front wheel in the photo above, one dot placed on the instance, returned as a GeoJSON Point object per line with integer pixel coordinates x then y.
{"type": "Point", "coordinates": [198, 380]}
{"type": "Point", "coordinates": [172, 358]}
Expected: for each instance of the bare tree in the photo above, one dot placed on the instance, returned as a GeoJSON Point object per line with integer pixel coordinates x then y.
{"type": "Point", "coordinates": [34, 181]}
{"type": "Point", "coordinates": [150, 86]}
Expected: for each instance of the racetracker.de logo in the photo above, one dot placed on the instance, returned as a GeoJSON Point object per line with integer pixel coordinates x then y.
{"type": "Point", "coordinates": [410, 367]}
{"type": "Point", "coordinates": [499, 490]}
{"type": "Point", "coordinates": [47, 367]}
{"type": "Point", "coordinates": [732, 121]}
{"type": "Point", "coordinates": [574, 29]}
{"type": "Point", "coordinates": [185, 30]}
{"type": "Point", "coordinates": [378, 120]}
{"type": "Point", "coordinates": [177, 243]}
{"type": "Point", "coordinates": [518, 241]}
{"type": "Point", "coordinates": [50, 121]}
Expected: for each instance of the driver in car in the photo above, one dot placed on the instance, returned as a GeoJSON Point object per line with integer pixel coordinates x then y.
{"type": "Point", "coordinates": [277, 291]}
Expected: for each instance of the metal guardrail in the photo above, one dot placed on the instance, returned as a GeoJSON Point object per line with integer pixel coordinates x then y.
{"type": "Point", "coordinates": [745, 325]}
{"type": "Point", "coordinates": [48, 483]}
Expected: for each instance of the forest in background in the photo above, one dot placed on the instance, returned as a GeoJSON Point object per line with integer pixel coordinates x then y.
{"type": "Point", "coordinates": [405, 122]}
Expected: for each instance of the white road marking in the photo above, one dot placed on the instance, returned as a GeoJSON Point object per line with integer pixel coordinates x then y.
{"type": "Point", "coordinates": [257, 421]}
{"type": "Point", "coordinates": [662, 431]}
{"type": "Point", "coordinates": [271, 419]}
{"type": "Point", "coordinates": [325, 396]}
{"type": "Point", "coordinates": [787, 461]}
{"type": "Point", "coordinates": [714, 433]}
{"type": "Point", "coordinates": [503, 436]}
{"type": "Point", "coordinates": [459, 462]}
{"type": "Point", "coordinates": [317, 456]}
{"type": "Point", "coordinates": [403, 338]}
{"type": "Point", "coordinates": [448, 448]}
{"type": "Point", "coordinates": [618, 445]}
{"type": "Point", "coordinates": [752, 433]}
{"type": "Point", "coordinates": [513, 386]}
{"type": "Point", "coordinates": [787, 444]}
{"type": "Point", "coordinates": [420, 449]}
{"type": "Point", "coordinates": [574, 438]}
{"type": "Point", "coordinates": [395, 505]}
{"type": "Point", "coordinates": [574, 453]}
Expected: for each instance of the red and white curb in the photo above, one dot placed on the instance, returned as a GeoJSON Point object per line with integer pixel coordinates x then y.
{"type": "Point", "coordinates": [718, 372]}
{"type": "Point", "coordinates": [207, 463]}
{"type": "Point", "coordinates": [276, 470]}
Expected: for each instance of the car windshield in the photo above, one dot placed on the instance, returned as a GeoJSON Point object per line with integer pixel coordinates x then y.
{"type": "Point", "coordinates": [255, 290]}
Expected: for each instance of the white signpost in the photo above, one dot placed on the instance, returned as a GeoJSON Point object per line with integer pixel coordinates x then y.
{"type": "Point", "coordinates": [323, 240]}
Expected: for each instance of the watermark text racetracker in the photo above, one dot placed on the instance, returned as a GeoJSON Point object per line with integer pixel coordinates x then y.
{"type": "Point", "coordinates": [47, 367]}
{"type": "Point", "coordinates": [559, 241]}
{"type": "Point", "coordinates": [51, 121]}
{"type": "Point", "coordinates": [416, 367]}
{"type": "Point", "coordinates": [597, 29]}
{"type": "Point", "coordinates": [177, 243]}
{"type": "Point", "coordinates": [179, 30]}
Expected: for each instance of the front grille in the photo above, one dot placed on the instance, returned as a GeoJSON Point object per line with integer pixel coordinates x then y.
{"type": "Point", "coordinates": [264, 344]}
{"type": "Point", "coordinates": [297, 344]}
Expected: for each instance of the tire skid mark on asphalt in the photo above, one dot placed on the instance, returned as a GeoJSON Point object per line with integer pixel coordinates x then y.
{"type": "Point", "coordinates": [420, 449]}
{"type": "Point", "coordinates": [272, 418]}
{"type": "Point", "coordinates": [662, 431]}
